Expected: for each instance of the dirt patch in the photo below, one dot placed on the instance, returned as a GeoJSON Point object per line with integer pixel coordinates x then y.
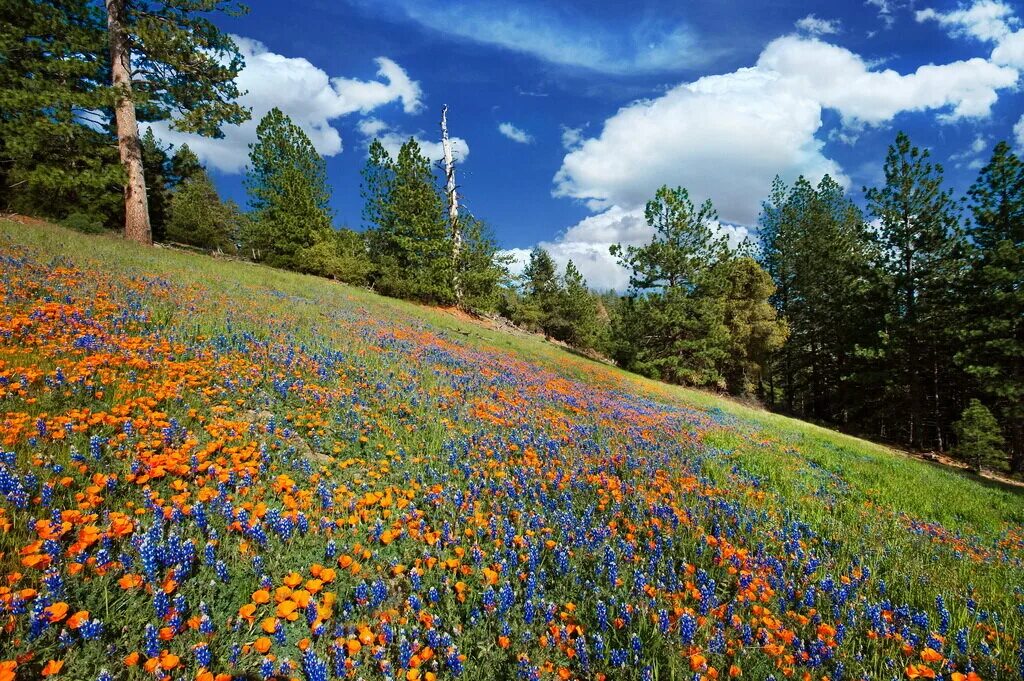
{"type": "Point", "coordinates": [950, 462]}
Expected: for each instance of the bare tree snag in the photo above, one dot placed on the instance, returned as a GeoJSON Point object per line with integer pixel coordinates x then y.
{"type": "Point", "coordinates": [453, 206]}
{"type": "Point", "coordinates": [136, 206]}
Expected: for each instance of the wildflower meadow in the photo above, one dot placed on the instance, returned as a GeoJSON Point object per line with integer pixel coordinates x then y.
{"type": "Point", "coordinates": [212, 470]}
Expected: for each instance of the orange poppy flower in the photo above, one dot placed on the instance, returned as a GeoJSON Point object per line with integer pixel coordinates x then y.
{"type": "Point", "coordinates": [78, 619]}
{"type": "Point", "coordinates": [262, 645]}
{"type": "Point", "coordinates": [169, 661]}
{"type": "Point", "coordinates": [52, 668]}
{"type": "Point", "coordinates": [130, 581]}
{"type": "Point", "coordinates": [57, 611]}
{"type": "Point", "coordinates": [269, 625]}
{"type": "Point", "coordinates": [262, 596]}
{"type": "Point", "coordinates": [247, 612]}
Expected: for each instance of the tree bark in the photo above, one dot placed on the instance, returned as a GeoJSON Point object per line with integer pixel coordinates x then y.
{"type": "Point", "coordinates": [136, 206]}
{"type": "Point", "coordinates": [453, 206]}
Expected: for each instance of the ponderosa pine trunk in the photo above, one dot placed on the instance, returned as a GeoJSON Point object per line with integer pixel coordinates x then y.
{"type": "Point", "coordinates": [136, 205]}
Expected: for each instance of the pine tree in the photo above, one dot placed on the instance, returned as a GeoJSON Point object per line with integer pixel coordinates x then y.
{"type": "Point", "coordinates": [288, 192]}
{"type": "Point", "coordinates": [919, 245]}
{"type": "Point", "coordinates": [541, 292]}
{"type": "Point", "coordinates": [55, 156]}
{"type": "Point", "coordinates": [576, 312]}
{"type": "Point", "coordinates": [156, 164]}
{"type": "Point", "coordinates": [993, 326]}
{"type": "Point", "coordinates": [482, 268]}
{"type": "Point", "coordinates": [980, 441]}
{"type": "Point", "coordinates": [410, 241]}
{"type": "Point", "coordinates": [184, 164]}
{"type": "Point", "coordinates": [167, 59]}
{"type": "Point", "coordinates": [754, 328]}
{"type": "Point", "coordinates": [196, 216]}
{"type": "Point", "coordinates": [818, 251]}
{"type": "Point", "coordinates": [671, 330]}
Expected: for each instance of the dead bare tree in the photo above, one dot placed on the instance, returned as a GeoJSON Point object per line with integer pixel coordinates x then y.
{"type": "Point", "coordinates": [453, 205]}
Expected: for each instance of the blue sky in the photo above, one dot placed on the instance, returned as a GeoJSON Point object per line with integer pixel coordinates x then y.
{"type": "Point", "coordinates": [569, 115]}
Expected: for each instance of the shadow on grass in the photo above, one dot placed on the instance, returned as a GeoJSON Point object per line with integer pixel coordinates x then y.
{"type": "Point", "coordinates": [991, 483]}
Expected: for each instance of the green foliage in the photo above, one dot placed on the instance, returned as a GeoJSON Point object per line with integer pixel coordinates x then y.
{"type": "Point", "coordinates": [541, 293]}
{"type": "Point", "coordinates": [410, 244]}
{"type": "Point", "coordinates": [52, 76]}
{"type": "Point", "coordinates": [288, 192]}
{"type": "Point", "coordinates": [673, 322]}
{"type": "Point", "coordinates": [84, 223]}
{"type": "Point", "coordinates": [184, 66]}
{"type": "Point", "coordinates": [156, 165]}
{"type": "Point", "coordinates": [993, 323]}
{"type": "Point", "coordinates": [482, 269]}
{"type": "Point", "coordinates": [920, 245]}
{"type": "Point", "coordinates": [197, 216]}
{"type": "Point", "coordinates": [980, 440]}
{"type": "Point", "coordinates": [754, 329]}
{"type": "Point", "coordinates": [819, 253]}
{"type": "Point", "coordinates": [683, 247]}
{"type": "Point", "coordinates": [337, 254]}
{"type": "Point", "coordinates": [575, 319]}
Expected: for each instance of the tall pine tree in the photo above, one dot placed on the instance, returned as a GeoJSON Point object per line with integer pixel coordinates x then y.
{"type": "Point", "coordinates": [918, 236]}
{"type": "Point", "coordinates": [409, 242]}
{"type": "Point", "coordinates": [288, 192]}
{"type": "Point", "coordinates": [993, 327]}
{"type": "Point", "coordinates": [674, 331]}
{"type": "Point", "coordinates": [167, 60]}
{"type": "Point", "coordinates": [56, 157]}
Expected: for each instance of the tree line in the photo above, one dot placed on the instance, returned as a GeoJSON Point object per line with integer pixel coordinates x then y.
{"type": "Point", "coordinates": [902, 320]}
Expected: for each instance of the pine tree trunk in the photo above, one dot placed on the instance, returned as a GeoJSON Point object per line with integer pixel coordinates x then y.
{"type": "Point", "coordinates": [136, 206]}
{"type": "Point", "coordinates": [453, 206]}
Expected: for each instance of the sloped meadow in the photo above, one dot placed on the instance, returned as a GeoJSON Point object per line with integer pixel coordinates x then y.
{"type": "Point", "coordinates": [210, 470]}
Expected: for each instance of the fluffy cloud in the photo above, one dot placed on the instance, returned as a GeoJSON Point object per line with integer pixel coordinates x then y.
{"type": "Point", "coordinates": [587, 242]}
{"type": "Point", "coordinates": [515, 134]}
{"type": "Point", "coordinates": [990, 21]}
{"type": "Point", "coordinates": [815, 26]}
{"type": "Point", "coordinates": [724, 137]}
{"type": "Point", "coordinates": [1018, 133]}
{"type": "Point", "coordinates": [392, 140]}
{"type": "Point", "coordinates": [306, 93]}
{"type": "Point", "coordinates": [839, 79]}
{"type": "Point", "coordinates": [984, 20]}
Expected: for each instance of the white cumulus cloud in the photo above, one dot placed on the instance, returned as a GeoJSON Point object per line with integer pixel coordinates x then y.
{"type": "Point", "coordinates": [306, 93]}
{"type": "Point", "coordinates": [989, 21]}
{"type": "Point", "coordinates": [725, 137]}
{"type": "Point", "coordinates": [515, 134]}
{"type": "Point", "coordinates": [392, 140]}
{"type": "Point", "coordinates": [1018, 133]}
{"type": "Point", "coordinates": [815, 26]}
{"type": "Point", "coordinates": [587, 242]}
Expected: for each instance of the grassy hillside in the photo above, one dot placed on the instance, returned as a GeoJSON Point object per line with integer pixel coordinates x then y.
{"type": "Point", "coordinates": [215, 469]}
